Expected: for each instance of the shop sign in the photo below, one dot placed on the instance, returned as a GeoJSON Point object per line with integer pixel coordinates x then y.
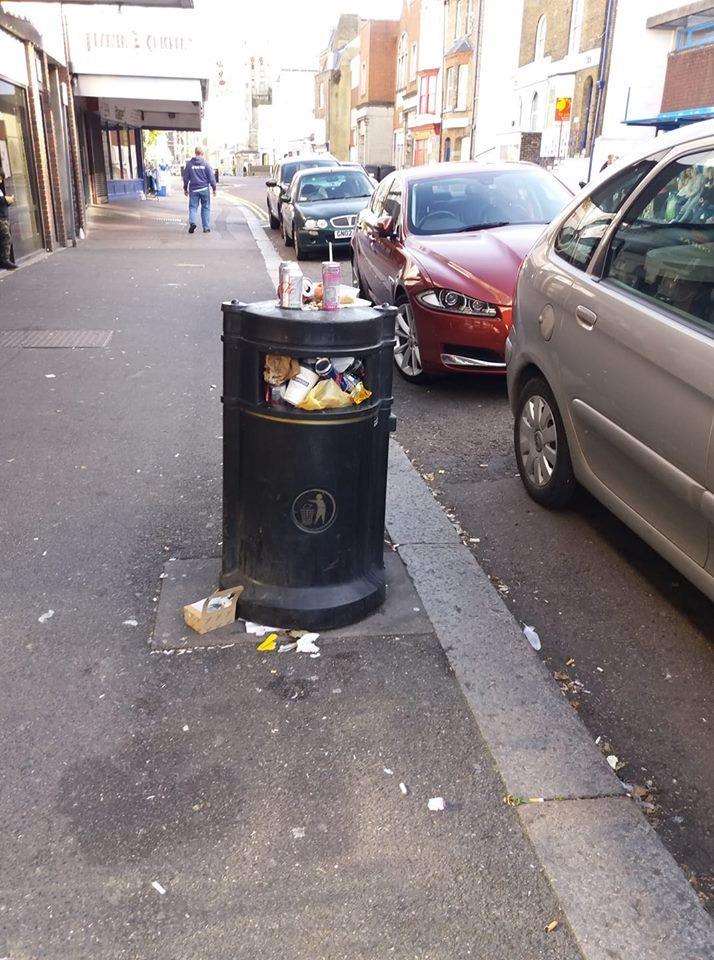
{"type": "Point", "coordinates": [563, 106]}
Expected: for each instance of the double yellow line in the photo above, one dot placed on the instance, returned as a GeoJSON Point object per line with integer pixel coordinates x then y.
{"type": "Point", "coordinates": [253, 207]}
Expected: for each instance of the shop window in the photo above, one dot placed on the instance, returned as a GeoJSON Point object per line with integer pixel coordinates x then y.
{"type": "Point", "coordinates": [127, 171]}
{"type": "Point", "coordinates": [19, 171]}
{"type": "Point", "coordinates": [114, 154]}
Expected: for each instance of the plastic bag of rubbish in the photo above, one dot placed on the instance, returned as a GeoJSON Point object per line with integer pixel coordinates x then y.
{"type": "Point", "coordinates": [326, 395]}
{"type": "Point", "coordinates": [278, 369]}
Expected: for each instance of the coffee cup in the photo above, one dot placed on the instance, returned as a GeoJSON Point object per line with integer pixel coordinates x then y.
{"type": "Point", "coordinates": [300, 385]}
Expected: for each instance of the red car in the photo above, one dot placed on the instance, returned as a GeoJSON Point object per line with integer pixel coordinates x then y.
{"type": "Point", "coordinates": [445, 243]}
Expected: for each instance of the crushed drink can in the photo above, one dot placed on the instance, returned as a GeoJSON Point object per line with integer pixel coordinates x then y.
{"type": "Point", "coordinates": [331, 276]}
{"type": "Point", "coordinates": [291, 286]}
{"type": "Point", "coordinates": [283, 269]}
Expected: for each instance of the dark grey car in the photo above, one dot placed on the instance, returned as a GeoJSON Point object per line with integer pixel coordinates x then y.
{"type": "Point", "coordinates": [611, 354]}
{"type": "Point", "coordinates": [279, 184]}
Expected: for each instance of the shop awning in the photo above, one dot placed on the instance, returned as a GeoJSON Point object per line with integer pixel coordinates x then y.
{"type": "Point", "coordinates": [140, 88]}
{"type": "Point", "coordinates": [674, 118]}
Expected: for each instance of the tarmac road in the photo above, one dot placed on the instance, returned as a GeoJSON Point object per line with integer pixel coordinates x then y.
{"type": "Point", "coordinates": [641, 637]}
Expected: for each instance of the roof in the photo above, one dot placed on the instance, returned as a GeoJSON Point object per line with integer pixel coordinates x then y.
{"type": "Point", "coordinates": [463, 45]}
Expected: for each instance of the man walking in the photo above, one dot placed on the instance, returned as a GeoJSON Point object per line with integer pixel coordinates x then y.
{"type": "Point", "coordinates": [198, 181]}
{"type": "Point", "coordinates": [6, 200]}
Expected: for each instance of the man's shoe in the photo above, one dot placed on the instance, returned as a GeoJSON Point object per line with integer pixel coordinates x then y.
{"type": "Point", "coordinates": [192, 228]}
{"type": "Point", "coordinates": [206, 229]}
{"type": "Point", "coordinates": [8, 264]}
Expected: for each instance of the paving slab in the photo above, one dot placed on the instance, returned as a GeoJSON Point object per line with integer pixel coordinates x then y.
{"type": "Point", "coordinates": [623, 894]}
{"type": "Point", "coordinates": [186, 581]}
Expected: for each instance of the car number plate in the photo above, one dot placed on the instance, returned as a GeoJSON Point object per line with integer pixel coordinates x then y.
{"type": "Point", "coordinates": [343, 234]}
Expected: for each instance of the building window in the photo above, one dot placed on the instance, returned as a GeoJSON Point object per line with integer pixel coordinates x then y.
{"type": "Point", "coordinates": [427, 94]}
{"type": "Point", "coordinates": [534, 113]}
{"type": "Point", "coordinates": [462, 95]}
{"type": "Point", "coordinates": [697, 31]}
{"type": "Point", "coordinates": [402, 57]}
{"type": "Point", "coordinates": [458, 31]}
{"type": "Point", "coordinates": [451, 87]}
{"type": "Point", "coordinates": [363, 82]}
{"type": "Point", "coordinates": [413, 62]}
{"type": "Point", "coordinates": [576, 27]}
{"type": "Point", "coordinates": [541, 30]}
{"type": "Point", "coordinates": [114, 154]}
{"type": "Point", "coordinates": [469, 16]}
{"type": "Point", "coordinates": [322, 96]}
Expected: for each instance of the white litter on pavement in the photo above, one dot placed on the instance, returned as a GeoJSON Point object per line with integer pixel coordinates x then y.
{"type": "Point", "coordinates": [50, 376]}
{"type": "Point", "coordinates": [185, 728]}
{"type": "Point", "coordinates": [157, 886]}
{"type": "Point", "coordinates": [298, 833]}
{"type": "Point", "coordinates": [390, 773]}
{"type": "Point", "coordinates": [131, 622]}
{"type": "Point", "coordinates": [44, 617]}
{"type": "Point", "coordinates": [403, 788]}
{"type": "Point", "coordinates": [287, 647]}
{"type": "Point", "coordinates": [613, 761]}
{"type": "Point", "coordinates": [436, 804]}
{"type": "Point", "coordinates": [306, 643]}
{"type": "Point", "coordinates": [258, 629]}
{"type": "Point", "coordinates": [531, 636]}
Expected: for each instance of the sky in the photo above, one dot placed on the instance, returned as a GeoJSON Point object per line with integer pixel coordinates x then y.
{"type": "Point", "coordinates": [293, 32]}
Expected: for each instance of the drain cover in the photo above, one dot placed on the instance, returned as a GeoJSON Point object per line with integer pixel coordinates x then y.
{"type": "Point", "coordinates": [62, 339]}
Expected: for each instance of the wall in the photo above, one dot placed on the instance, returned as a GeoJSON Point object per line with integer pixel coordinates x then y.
{"type": "Point", "coordinates": [47, 19]}
{"type": "Point", "coordinates": [689, 81]}
{"type": "Point", "coordinates": [499, 53]}
{"type": "Point", "coordinates": [635, 83]}
{"type": "Point", "coordinates": [379, 135]}
{"type": "Point", "coordinates": [378, 39]}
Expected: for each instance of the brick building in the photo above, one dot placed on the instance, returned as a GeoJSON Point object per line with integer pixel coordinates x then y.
{"type": "Point", "coordinates": [417, 112]}
{"type": "Point", "coordinates": [333, 87]}
{"type": "Point", "coordinates": [556, 81]}
{"type": "Point", "coordinates": [373, 83]}
{"type": "Point", "coordinates": [458, 78]}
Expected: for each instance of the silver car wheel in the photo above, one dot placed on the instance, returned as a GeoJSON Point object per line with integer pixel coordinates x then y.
{"type": "Point", "coordinates": [406, 350]}
{"type": "Point", "coordinates": [538, 441]}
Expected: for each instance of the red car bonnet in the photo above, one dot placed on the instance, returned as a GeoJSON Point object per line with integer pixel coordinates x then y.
{"type": "Point", "coordinates": [483, 264]}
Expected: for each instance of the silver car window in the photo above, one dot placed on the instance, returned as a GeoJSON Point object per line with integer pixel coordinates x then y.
{"type": "Point", "coordinates": [664, 248]}
{"type": "Point", "coordinates": [581, 233]}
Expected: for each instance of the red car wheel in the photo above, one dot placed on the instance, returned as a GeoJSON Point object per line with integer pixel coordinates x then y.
{"type": "Point", "coordinates": [407, 353]}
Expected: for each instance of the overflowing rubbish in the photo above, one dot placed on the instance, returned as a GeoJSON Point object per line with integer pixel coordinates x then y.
{"type": "Point", "coordinates": [436, 804]}
{"type": "Point", "coordinates": [532, 637]}
{"type": "Point", "coordinates": [317, 383]}
{"type": "Point", "coordinates": [216, 610]}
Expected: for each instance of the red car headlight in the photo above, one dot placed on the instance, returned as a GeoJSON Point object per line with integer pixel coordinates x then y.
{"type": "Point", "coordinates": [451, 301]}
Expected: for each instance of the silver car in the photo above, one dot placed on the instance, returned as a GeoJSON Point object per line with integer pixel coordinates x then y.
{"type": "Point", "coordinates": [611, 354]}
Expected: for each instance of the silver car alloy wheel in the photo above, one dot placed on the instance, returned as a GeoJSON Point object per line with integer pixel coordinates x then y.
{"type": "Point", "coordinates": [538, 440]}
{"type": "Point", "coordinates": [407, 355]}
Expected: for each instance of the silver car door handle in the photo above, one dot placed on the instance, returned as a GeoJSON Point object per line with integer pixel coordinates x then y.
{"type": "Point", "coordinates": [586, 318]}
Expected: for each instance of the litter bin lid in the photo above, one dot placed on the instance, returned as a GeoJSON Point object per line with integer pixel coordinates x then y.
{"type": "Point", "coordinates": [309, 332]}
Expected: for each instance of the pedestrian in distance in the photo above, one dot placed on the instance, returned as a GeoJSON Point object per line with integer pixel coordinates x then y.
{"type": "Point", "coordinates": [6, 201]}
{"type": "Point", "coordinates": [198, 181]}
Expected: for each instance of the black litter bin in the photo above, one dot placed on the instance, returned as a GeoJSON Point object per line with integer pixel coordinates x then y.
{"type": "Point", "coordinates": [304, 491]}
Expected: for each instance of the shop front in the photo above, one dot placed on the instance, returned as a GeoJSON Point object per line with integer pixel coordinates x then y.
{"type": "Point", "coordinates": [16, 157]}
{"type": "Point", "coordinates": [130, 66]}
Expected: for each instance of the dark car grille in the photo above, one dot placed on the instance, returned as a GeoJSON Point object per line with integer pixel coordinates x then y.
{"type": "Point", "coordinates": [349, 220]}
